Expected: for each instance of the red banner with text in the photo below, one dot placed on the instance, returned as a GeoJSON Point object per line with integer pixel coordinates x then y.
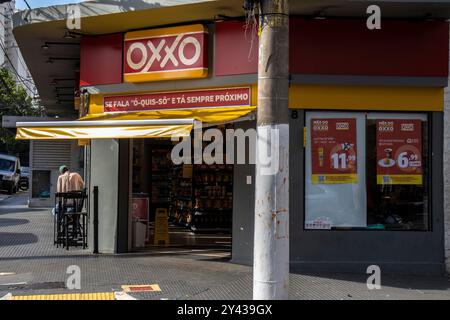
{"type": "Point", "coordinates": [334, 151]}
{"type": "Point", "coordinates": [178, 100]}
{"type": "Point", "coordinates": [399, 151]}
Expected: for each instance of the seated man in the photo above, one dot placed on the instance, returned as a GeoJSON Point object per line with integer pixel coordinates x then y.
{"type": "Point", "coordinates": [63, 180]}
{"type": "Point", "coordinates": [76, 182]}
{"type": "Point", "coordinates": [67, 182]}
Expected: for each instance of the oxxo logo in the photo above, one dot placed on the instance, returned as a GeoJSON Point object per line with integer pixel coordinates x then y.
{"type": "Point", "coordinates": [163, 54]}
{"type": "Point", "coordinates": [152, 54]}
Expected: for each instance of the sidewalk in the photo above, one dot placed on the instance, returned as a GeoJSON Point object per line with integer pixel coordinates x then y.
{"type": "Point", "coordinates": [4, 196]}
{"type": "Point", "coordinates": [31, 265]}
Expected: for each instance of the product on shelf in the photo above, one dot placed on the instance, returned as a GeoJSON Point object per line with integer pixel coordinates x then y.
{"type": "Point", "coordinates": [201, 195]}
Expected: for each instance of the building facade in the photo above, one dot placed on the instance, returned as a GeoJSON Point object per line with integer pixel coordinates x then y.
{"type": "Point", "coordinates": [368, 136]}
{"type": "Point", "coordinates": [10, 55]}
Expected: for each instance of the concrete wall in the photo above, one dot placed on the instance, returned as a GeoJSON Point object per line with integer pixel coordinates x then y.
{"type": "Point", "coordinates": [104, 164]}
{"type": "Point", "coordinates": [243, 208]}
{"type": "Point", "coordinates": [446, 146]}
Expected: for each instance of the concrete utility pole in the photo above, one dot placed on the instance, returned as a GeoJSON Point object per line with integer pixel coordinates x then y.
{"type": "Point", "coordinates": [271, 247]}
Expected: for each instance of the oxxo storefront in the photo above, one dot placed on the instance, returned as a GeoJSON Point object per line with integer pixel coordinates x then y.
{"type": "Point", "coordinates": [366, 134]}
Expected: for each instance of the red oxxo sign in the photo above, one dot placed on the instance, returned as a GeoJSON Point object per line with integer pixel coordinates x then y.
{"type": "Point", "coordinates": [178, 100]}
{"type": "Point", "coordinates": [166, 54]}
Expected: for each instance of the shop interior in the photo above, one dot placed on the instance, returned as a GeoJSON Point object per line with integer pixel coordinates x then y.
{"type": "Point", "coordinates": [179, 206]}
{"type": "Point", "coordinates": [370, 203]}
{"type": "Point", "coordinates": [397, 207]}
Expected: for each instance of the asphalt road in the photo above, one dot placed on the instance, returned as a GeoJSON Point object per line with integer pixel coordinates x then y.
{"type": "Point", "coordinates": [18, 199]}
{"type": "Point", "coordinates": [4, 196]}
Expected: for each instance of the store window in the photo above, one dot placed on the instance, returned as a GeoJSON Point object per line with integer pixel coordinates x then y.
{"type": "Point", "coordinates": [367, 171]}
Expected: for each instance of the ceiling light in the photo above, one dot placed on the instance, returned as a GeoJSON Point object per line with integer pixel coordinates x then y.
{"type": "Point", "coordinates": [49, 60]}
{"type": "Point", "coordinates": [45, 46]}
{"type": "Point", "coordinates": [69, 35]}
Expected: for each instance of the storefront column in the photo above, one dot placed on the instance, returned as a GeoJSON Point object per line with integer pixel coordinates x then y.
{"type": "Point", "coordinates": [104, 175]}
{"type": "Point", "coordinates": [447, 176]}
{"type": "Point", "coordinates": [124, 193]}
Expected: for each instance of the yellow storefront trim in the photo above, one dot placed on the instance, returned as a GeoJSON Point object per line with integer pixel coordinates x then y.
{"type": "Point", "coordinates": [69, 296]}
{"type": "Point", "coordinates": [366, 98]}
{"type": "Point", "coordinates": [84, 142]}
{"type": "Point", "coordinates": [166, 75]}
{"type": "Point", "coordinates": [300, 97]}
{"type": "Point", "coordinates": [101, 132]}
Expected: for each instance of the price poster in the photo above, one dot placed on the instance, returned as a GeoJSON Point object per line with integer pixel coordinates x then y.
{"type": "Point", "coordinates": [333, 151]}
{"type": "Point", "coordinates": [399, 152]}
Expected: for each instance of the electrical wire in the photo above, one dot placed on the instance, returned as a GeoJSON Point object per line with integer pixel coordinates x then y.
{"type": "Point", "coordinates": [25, 67]}
{"type": "Point", "coordinates": [26, 2]}
{"type": "Point", "coordinates": [18, 77]}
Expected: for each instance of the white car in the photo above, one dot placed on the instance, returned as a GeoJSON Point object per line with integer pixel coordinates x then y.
{"type": "Point", "coordinates": [9, 173]}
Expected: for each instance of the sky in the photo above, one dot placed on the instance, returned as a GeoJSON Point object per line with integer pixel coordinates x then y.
{"type": "Point", "coordinates": [20, 4]}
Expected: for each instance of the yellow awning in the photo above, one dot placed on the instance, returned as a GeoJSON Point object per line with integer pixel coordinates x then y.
{"type": "Point", "coordinates": [207, 115]}
{"type": "Point", "coordinates": [103, 129]}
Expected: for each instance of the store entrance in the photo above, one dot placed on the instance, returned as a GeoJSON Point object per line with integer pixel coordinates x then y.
{"type": "Point", "coordinates": [187, 206]}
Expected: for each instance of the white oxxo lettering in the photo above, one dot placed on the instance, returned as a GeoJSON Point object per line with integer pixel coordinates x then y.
{"type": "Point", "coordinates": [163, 53]}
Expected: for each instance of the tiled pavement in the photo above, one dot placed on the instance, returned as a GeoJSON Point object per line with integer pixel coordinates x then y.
{"type": "Point", "coordinates": [30, 264]}
{"type": "Point", "coordinates": [3, 196]}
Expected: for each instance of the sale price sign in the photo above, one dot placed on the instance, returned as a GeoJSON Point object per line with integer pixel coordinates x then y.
{"type": "Point", "coordinates": [399, 152]}
{"type": "Point", "coordinates": [334, 151]}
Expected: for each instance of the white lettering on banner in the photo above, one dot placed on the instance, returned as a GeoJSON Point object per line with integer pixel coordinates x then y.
{"type": "Point", "coordinates": [169, 55]}
{"type": "Point", "coordinates": [184, 99]}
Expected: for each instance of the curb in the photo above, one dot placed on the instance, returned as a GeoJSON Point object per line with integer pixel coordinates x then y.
{"type": "Point", "coordinates": [6, 297]}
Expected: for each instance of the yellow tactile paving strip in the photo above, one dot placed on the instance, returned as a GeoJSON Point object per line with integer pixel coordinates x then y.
{"type": "Point", "coordinates": [69, 296]}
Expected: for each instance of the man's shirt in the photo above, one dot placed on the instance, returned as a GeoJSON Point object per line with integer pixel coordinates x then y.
{"type": "Point", "coordinates": [69, 181]}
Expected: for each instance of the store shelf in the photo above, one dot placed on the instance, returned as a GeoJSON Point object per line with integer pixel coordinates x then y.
{"type": "Point", "coordinates": [207, 210]}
